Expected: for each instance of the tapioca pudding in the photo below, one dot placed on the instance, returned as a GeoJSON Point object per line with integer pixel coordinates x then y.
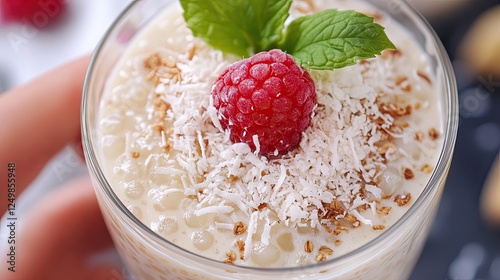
{"type": "Point", "coordinates": [374, 139]}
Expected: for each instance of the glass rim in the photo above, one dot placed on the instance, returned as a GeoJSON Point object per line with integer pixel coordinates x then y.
{"type": "Point", "coordinates": [450, 122]}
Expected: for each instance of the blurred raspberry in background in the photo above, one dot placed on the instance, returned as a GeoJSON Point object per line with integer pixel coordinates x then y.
{"type": "Point", "coordinates": [39, 13]}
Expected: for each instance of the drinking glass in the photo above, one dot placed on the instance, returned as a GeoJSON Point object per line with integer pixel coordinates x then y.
{"type": "Point", "coordinates": [392, 255]}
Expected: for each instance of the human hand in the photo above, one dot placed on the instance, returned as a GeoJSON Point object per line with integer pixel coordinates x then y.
{"type": "Point", "coordinates": [59, 234]}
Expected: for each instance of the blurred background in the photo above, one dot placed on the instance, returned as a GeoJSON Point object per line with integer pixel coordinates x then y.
{"type": "Point", "coordinates": [462, 244]}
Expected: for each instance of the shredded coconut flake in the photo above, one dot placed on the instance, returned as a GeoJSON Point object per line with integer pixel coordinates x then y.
{"type": "Point", "coordinates": [339, 156]}
{"type": "Point", "coordinates": [214, 209]}
{"type": "Point", "coordinates": [252, 228]}
{"type": "Point", "coordinates": [362, 219]}
{"type": "Point", "coordinates": [225, 226]}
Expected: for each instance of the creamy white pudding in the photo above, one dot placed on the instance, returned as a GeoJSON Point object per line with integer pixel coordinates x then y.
{"type": "Point", "coordinates": [373, 142]}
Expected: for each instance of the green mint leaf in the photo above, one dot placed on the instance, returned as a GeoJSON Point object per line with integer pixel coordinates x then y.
{"type": "Point", "coordinates": [241, 27]}
{"type": "Point", "coordinates": [333, 39]}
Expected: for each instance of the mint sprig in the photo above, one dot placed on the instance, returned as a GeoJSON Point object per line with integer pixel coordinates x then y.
{"type": "Point", "coordinates": [334, 39]}
{"type": "Point", "coordinates": [241, 27]}
{"type": "Point", "coordinates": [324, 41]}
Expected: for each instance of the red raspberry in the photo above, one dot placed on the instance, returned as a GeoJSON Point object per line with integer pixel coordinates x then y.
{"type": "Point", "coordinates": [39, 13]}
{"type": "Point", "coordinates": [267, 95]}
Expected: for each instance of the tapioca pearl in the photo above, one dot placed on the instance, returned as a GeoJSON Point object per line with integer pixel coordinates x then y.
{"type": "Point", "coordinates": [163, 171]}
{"type": "Point", "coordinates": [159, 207]}
{"type": "Point", "coordinates": [111, 125]}
{"type": "Point", "coordinates": [113, 100]}
{"type": "Point", "coordinates": [172, 200]}
{"type": "Point", "coordinates": [223, 219]}
{"type": "Point", "coordinates": [194, 221]}
{"type": "Point", "coordinates": [285, 242]}
{"type": "Point", "coordinates": [330, 239]}
{"type": "Point", "coordinates": [265, 254]}
{"type": "Point", "coordinates": [307, 230]}
{"type": "Point", "coordinates": [133, 189]}
{"type": "Point", "coordinates": [126, 168]}
{"type": "Point", "coordinates": [226, 220]}
{"type": "Point", "coordinates": [112, 146]}
{"type": "Point", "coordinates": [261, 229]}
{"type": "Point", "coordinates": [135, 210]}
{"type": "Point", "coordinates": [187, 203]}
{"type": "Point", "coordinates": [390, 181]}
{"type": "Point", "coordinates": [168, 226]}
{"type": "Point", "coordinates": [202, 240]}
{"type": "Point", "coordinates": [137, 95]}
{"type": "Point", "coordinates": [416, 156]}
{"type": "Point", "coordinates": [303, 259]}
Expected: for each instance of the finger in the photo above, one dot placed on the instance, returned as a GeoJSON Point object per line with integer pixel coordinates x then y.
{"type": "Point", "coordinates": [59, 235]}
{"type": "Point", "coordinates": [38, 119]}
{"type": "Point", "coordinates": [104, 272]}
{"type": "Point", "coordinates": [101, 272]}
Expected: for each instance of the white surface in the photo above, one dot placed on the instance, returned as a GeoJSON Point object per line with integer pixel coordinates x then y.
{"type": "Point", "coordinates": [27, 51]}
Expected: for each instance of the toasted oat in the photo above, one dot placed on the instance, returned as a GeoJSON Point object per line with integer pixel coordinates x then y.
{"type": "Point", "coordinates": [239, 228]}
{"type": "Point", "coordinates": [232, 178]}
{"type": "Point", "coordinates": [342, 228]}
{"type": "Point", "coordinates": [391, 53]}
{"type": "Point", "coordinates": [241, 247]}
{"type": "Point", "coordinates": [191, 51]}
{"type": "Point", "coordinates": [400, 80]}
{"type": "Point", "coordinates": [419, 136]}
{"type": "Point", "coordinates": [327, 228]}
{"type": "Point", "coordinates": [333, 210]}
{"type": "Point", "coordinates": [384, 210]}
{"type": "Point", "coordinates": [350, 219]}
{"type": "Point", "coordinates": [377, 17]}
{"type": "Point", "coordinates": [161, 108]}
{"type": "Point", "coordinates": [424, 76]}
{"type": "Point", "coordinates": [386, 196]}
{"type": "Point", "coordinates": [262, 206]}
{"type": "Point", "coordinates": [379, 227]}
{"type": "Point", "coordinates": [395, 110]}
{"type": "Point", "coordinates": [402, 124]}
{"type": "Point", "coordinates": [337, 242]}
{"type": "Point", "coordinates": [384, 136]}
{"type": "Point", "coordinates": [167, 148]}
{"type": "Point", "coordinates": [403, 199]}
{"type": "Point", "coordinates": [161, 68]}
{"type": "Point", "coordinates": [325, 250]}
{"type": "Point", "coordinates": [321, 257]}
{"type": "Point", "coordinates": [153, 61]}
{"type": "Point", "coordinates": [230, 257]}
{"type": "Point", "coordinates": [158, 127]}
{"type": "Point", "coordinates": [384, 148]}
{"type": "Point", "coordinates": [136, 154]}
{"type": "Point", "coordinates": [426, 168]}
{"type": "Point", "coordinates": [311, 5]}
{"type": "Point", "coordinates": [407, 87]}
{"type": "Point", "coordinates": [433, 134]}
{"type": "Point", "coordinates": [308, 246]}
{"type": "Point", "coordinates": [408, 173]}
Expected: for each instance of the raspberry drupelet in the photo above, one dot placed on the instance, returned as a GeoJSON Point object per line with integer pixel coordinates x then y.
{"type": "Point", "coordinates": [266, 99]}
